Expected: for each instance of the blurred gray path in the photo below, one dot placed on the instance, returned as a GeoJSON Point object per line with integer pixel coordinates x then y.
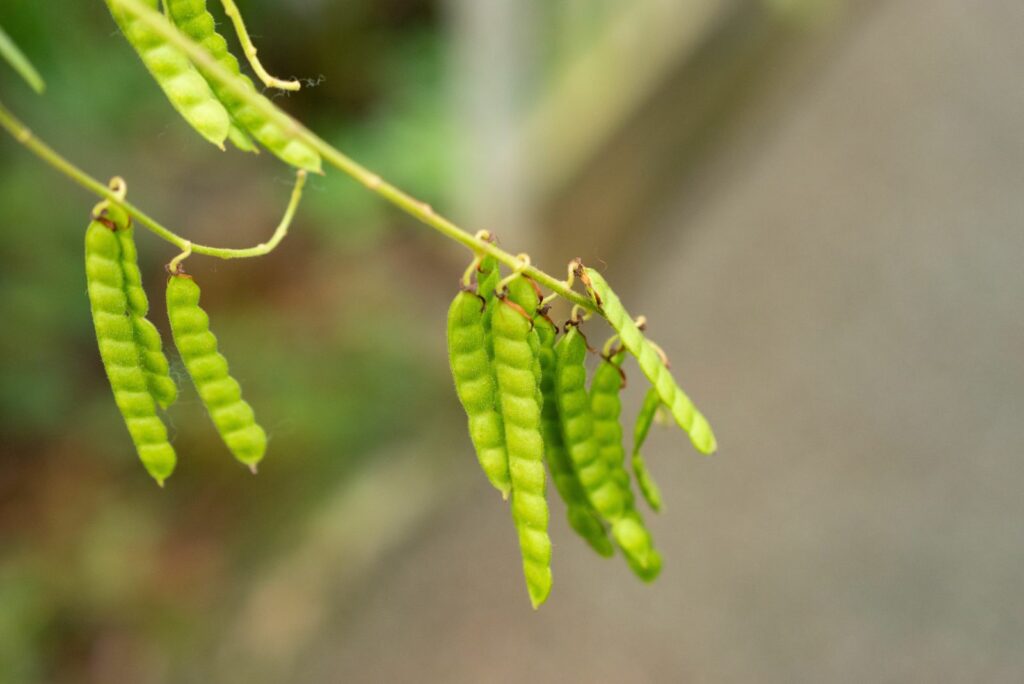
{"type": "Point", "coordinates": [847, 305]}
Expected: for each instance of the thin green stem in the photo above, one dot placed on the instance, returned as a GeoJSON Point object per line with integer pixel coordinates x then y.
{"type": "Point", "coordinates": [249, 49]}
{"type": "Point", "coordinates": [20, 63]}
{"type": "Point", "coordinates": [174, 267]}
{"type": "Point", "coordinates": [23, 135]}
{"type": "Point", "coordinates": [295, 130]}
{"type": "Point", "coordinates": [289, 214]}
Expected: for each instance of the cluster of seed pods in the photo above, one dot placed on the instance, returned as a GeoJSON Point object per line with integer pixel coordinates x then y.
{"type": "Point", "coordinates": [524, 388]}
{"type": "Point", "coordinates": [132, 350]}
{"type": "Point", "coordinates": [522, 380]}
{"type": "Point", "coordinates": [127, 352]}
{"type": "Point", "coordinates": [184, 86]}
{"type": "Point", "coordinates": [214, 110]}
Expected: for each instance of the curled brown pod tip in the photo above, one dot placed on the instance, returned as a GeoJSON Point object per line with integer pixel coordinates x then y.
{"type": "Point", "coordinates": [536, 288]}
{"type": "Point", "coordinates": [584, 277]}
{"type": "Point", "coordinates": [102, 219]}
{"type": "Point", "coordinates": [516, 307]}
{"type": "Point", "coordinates": [543, 313]}
{"type": "Point", "coordinates": [178, 272]}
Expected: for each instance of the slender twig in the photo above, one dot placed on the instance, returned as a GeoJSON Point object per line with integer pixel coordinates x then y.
{"type": "Point", "coordinates": [478, 244]}
{"type": "Point", "coordinates": [23, 135]}
{"type": "Point", "coordinates": [467, 275]}
{"type": "Point", "coordinates": [373, 182]}
{"type": "Point", "coordinates": [289, 213]}
{"type": "Point", "coordinates": [524, 263]}
{"type": "Point", "coordinates": [174, 267]}
{"type": "Point", "coordinates": [249, 49]}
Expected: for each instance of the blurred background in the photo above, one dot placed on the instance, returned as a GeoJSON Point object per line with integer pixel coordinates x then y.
{"type": "Point", "coordinates": [818, 205]}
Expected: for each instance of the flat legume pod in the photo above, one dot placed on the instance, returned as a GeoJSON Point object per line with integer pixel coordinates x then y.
{"type": "Point", "coordinates": [577, 420]}
{"type": "Point", "coordinates": [193, 18]}
{"type": "Point", "coordinates": [652, 365]}
{"type": "Point", "coordinates": [644, 419]}
{"type": "Point", "coordinates": [154, 362]}
{"type": "Point", "coordinates": [221, 393]}
{"type": "Point", "coordinates": [186, 89]}
{"type": "Point", "coordinates": [476, 386]}
{"type": "Point", "coordinates": [582, 516]}
{"type": "Point", "coordinates": [630, 531]}
{"type": "Point", "coordinates": [119, 348]}
{"type": "Point", "coordinates": [518, 372]}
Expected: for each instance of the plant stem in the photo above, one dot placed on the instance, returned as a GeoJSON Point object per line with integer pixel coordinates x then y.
{"type": "Point", "coordinates": [249, 49]}
{"type": "Point", "coordinates": [420, 210]}
{"type": "Point", "coordinates": [410, 205]}
{"type": "Point", "coordinates": [23, 135]}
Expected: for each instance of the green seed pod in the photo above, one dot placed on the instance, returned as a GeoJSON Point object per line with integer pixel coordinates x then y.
{"type": "Point", "coordinates": [221, 393]}
{"type": "Point", "coordinates": [187, 90]}
{"type": "Point", "coordinates": [119, 349]}
{"type": "Point", "coordinates": [649, 572]}
{"type": "Point", "coordinates": [651, 363]}
{"type": "Point", "coordinates": [241, 139]}
{"type": "Point", "coordinates": [577, 420]}
{"type": "Point", "coordinates": [487, 278]}
{"type": "Point", "coordinates": [476, 386]}
{"type": "Point", "coordinates": [648, 487]}
{"type": "Point", "coordinates": [154, 362]}
{"type": "Point", "coordinates": [523, 294]}
{"type": "Point", "coordinates": [582, 516]}
{"type": "Point", "coordinates": [193, 18]}
{"type": "Point", "coordinates": [629, 531]}
{"type": "Point", "coordinates": [518, 371]}
{"type": "Point", "coordinates": [606, 407]}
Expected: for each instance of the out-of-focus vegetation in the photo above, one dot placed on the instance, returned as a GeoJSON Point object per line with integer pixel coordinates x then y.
{"type": "Point", "coordinates": [94, 564]}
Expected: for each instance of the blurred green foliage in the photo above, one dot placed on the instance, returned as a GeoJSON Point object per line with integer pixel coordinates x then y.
{"type": "Point", "coordinates": [319, 333]}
